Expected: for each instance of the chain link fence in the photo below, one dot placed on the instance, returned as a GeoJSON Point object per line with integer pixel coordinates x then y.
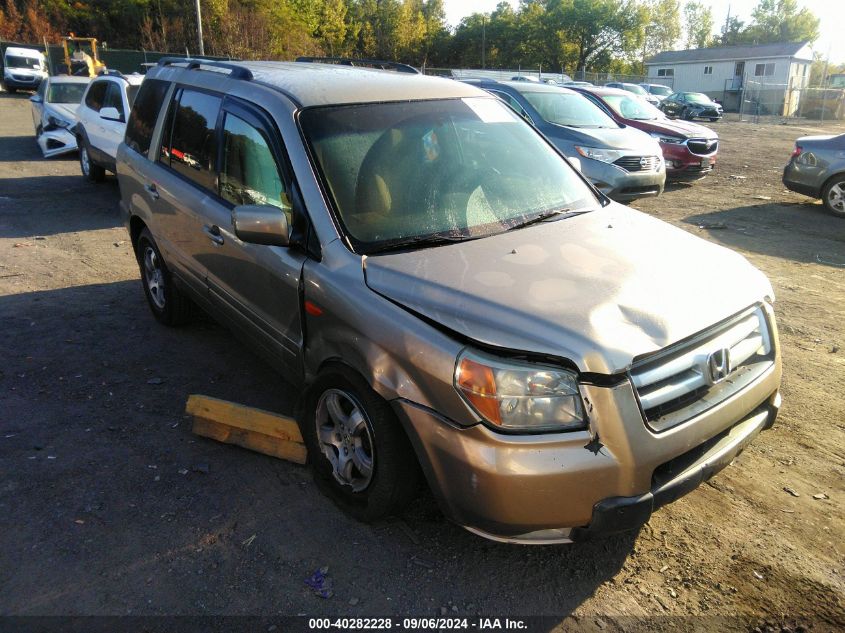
{"type": "Point", "coordinates": [762, 102]}
{"type": "Point", "coordinates": [505, 74]}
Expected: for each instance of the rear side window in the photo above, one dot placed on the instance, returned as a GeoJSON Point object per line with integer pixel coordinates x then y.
{"type": "Point", "coordinates": [142, 120]}
{"type": "Point", "coordinates": [192, 148]}
{"type": "Point", "coordinates": [97, 95]}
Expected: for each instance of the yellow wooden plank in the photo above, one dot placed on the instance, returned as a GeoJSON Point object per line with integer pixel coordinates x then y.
{"type": "Point", "coordinates": [243, 417]}
{"type": "Point", "coordinates": [253, 440]}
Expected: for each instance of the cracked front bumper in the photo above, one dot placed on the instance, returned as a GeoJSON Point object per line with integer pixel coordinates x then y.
{"type": "Point", "coordinates": [56, 142]}
{"type": "Point", "coordinates": [555, 488]}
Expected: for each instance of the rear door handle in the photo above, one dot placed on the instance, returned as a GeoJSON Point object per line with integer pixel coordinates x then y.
{"type": "Point", "coordinates": [151, 189]}
{"type": "Point", "coordinates": [213, 233]}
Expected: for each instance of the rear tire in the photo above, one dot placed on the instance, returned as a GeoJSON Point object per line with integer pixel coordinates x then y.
{"type": "Point", "coordinates": [358, 451]}
{"type": "Point", "coordinates": [168, 304]}
{"type": "Point", "coordinates": [833, 196]}
{"type": "Point", "coordinates": [90, 170]}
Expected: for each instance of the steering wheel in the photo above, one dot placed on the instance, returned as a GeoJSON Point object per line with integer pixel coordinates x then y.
{"type": "Point", "coordinates": [465, 181]}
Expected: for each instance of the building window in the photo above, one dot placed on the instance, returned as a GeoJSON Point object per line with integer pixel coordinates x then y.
{"type": "Point", "coordinates": [708, 70]}
{"type": "Point", "coordinates": [764, 70]}
{"type": "Point", "coordinates": [665, 72]}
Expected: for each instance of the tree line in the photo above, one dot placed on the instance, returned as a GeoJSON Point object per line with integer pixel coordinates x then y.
{"type": "Point", "coordinates": [599, 35]}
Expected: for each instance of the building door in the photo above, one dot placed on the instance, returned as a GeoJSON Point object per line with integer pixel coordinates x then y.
{"type": "Point", "coordinates": [739, 71]}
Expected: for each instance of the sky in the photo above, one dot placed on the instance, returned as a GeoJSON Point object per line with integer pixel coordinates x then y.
{"type": "Point", "coordinates": [831, 13]}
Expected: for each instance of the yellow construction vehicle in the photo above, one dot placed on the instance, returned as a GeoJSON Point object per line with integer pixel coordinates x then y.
{"type": "Point", "coordinates": [78, 60]}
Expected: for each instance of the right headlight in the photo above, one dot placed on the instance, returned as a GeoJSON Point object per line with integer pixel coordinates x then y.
{"type": "Point", "coordinates": [600, 153]}
{"type": "Point", "coordinates": [520, 396]}
{"type": "Point", "coordinates": [663, 138]}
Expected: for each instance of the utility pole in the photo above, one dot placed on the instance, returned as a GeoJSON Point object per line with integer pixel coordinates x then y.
{"type": "Point", "coordinates": [483, 38]}
{"type": "Point", "coordinates": [199, 28]}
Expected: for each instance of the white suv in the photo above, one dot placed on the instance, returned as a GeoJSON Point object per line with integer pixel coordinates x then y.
{"type": "Point", "coordinates": [101, 121]}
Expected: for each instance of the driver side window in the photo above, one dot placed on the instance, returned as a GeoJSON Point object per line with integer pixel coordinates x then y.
{"type": "Point", "coordinates": [249, 174]}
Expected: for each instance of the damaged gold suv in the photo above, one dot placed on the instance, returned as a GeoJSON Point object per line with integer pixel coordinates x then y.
{"type": "Point", "coordinates": [453, 298]}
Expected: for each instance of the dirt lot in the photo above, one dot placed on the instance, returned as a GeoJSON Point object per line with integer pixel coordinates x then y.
{"type": "Point", "coordinates": [109, 506]}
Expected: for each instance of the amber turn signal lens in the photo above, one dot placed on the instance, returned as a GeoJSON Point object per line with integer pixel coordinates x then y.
{"type": "Point", "coordinates": [478, 385]}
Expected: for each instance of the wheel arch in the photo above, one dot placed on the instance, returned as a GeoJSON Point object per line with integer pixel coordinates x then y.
{"type": "Point", "coordinates": [136, 225]}
{"type": "Point", "coordinates": [829, 179]}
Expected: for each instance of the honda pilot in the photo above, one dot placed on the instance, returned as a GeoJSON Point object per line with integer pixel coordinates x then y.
{"type": "Point", "coordinates": [452, 299]}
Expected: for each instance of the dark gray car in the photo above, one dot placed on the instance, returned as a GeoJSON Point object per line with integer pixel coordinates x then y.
{"type": "Point", "coordinates": [622, 162]}
{"type": "Point", "coordinates": [817, 169]}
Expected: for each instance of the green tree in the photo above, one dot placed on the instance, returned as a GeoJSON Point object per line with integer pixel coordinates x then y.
{"type": "Point", "coordinates": [664, 27]}
{"type": "Point", "coordinates": [596, 27]}
{"type": "Point", "coordinates": [698, 25]}
{"type": "Point", "coordinates": [733, 33]}
{"type": "Point", "coordinates": [782, 21]}
{"type": "Point", "coordinates": [333, 27]}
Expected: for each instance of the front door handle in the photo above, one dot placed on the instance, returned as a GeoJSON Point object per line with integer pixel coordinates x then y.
{"type": "Point", "coordinates": [151, 189]}
{"type": "Point", "coordinates": [213, 233]}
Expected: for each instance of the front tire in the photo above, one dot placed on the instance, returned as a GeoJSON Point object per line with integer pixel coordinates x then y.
{"type": "Point", "coordinates": [833, 196]}
{"type": "Point", "coordinates": [359, 454]}
{"type": "Point", "coordinates": [168, 304]}
{"type": "Point", "coordinates": [90, 170]}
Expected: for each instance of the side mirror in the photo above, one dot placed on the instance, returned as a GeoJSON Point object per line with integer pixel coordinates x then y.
{"type": "Point", "coordinates": [111, 114]}
{"type": "Point", "coordinates": [261, 224]}
{"type": "Point", "coordinates": [36, 99]}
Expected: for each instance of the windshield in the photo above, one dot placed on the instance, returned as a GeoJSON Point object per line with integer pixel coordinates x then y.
{"type": "Point", "coordinates": [568, 108]}
{"type": "Point", "coordinates": [65, 93]}
{"type": "Point", "coordinates": [131, 92]}
{"type": "Point", "coordinates": [637, 90]}
{"type": "Point", "coordinates": [663, 91]}
{"type": "Point", "coordinates": [631, 108]}
{"type": "Point", "coordinates": [697, 97]}
{"type": "Point", "coordinates": [14, 61]}
{"type": "Point", "coordinates": [456, 168]}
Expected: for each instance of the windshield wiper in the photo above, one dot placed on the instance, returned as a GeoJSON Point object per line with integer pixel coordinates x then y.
{"type": "Point", "coordinates": [547, 216]}
{"type": "Point", "coordinates": [423, 241]}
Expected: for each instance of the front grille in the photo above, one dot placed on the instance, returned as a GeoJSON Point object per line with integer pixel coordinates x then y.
{"type": "Point", "coordinates": [638, 163]}
{"type": "Point", "coordinates": [23, 77]}
{"type": "Point", "coordinates": [677, 383]}
{"type": "Point", "coordinates": [702, 146]}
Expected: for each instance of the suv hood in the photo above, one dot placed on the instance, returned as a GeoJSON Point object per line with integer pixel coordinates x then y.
{"type": "Point", "coordinates": [609, 138]}
{"type": "Point", "coordinates": [683, 129]}
{"type": "Point", "coordinates": [598, 289]}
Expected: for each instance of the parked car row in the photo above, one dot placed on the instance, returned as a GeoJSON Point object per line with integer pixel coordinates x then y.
{"type": "Point", "coordinates": [71, 113]}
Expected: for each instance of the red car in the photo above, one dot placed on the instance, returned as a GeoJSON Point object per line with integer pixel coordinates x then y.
{"type": "Point", "coordinates": [689, 149]}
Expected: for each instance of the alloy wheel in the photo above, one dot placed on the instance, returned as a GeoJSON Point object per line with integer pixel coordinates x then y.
{"type": "Point", "coordinates": [836, 197]}
{"type": "Point", "coordinates": [85, 161]}
{"type": "Point", "coordinates": [345, 439]}
{"type": "Point", "coordinates": [154, 276]}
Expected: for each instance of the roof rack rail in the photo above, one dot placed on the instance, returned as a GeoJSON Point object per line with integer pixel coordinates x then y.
{"type": "Point", "coordinates": [236, 72]}
{"type": "Point", "coordinates": [366, 63]}
{"type": "Point", "coordinates": [111, 73]}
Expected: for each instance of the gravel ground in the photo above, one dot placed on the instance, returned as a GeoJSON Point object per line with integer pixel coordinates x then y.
{"type": "Point", "coordinates": [110, 506]}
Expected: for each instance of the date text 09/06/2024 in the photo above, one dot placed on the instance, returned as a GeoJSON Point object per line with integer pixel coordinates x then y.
{"type": "Point", "coordinates": [410, 624]}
